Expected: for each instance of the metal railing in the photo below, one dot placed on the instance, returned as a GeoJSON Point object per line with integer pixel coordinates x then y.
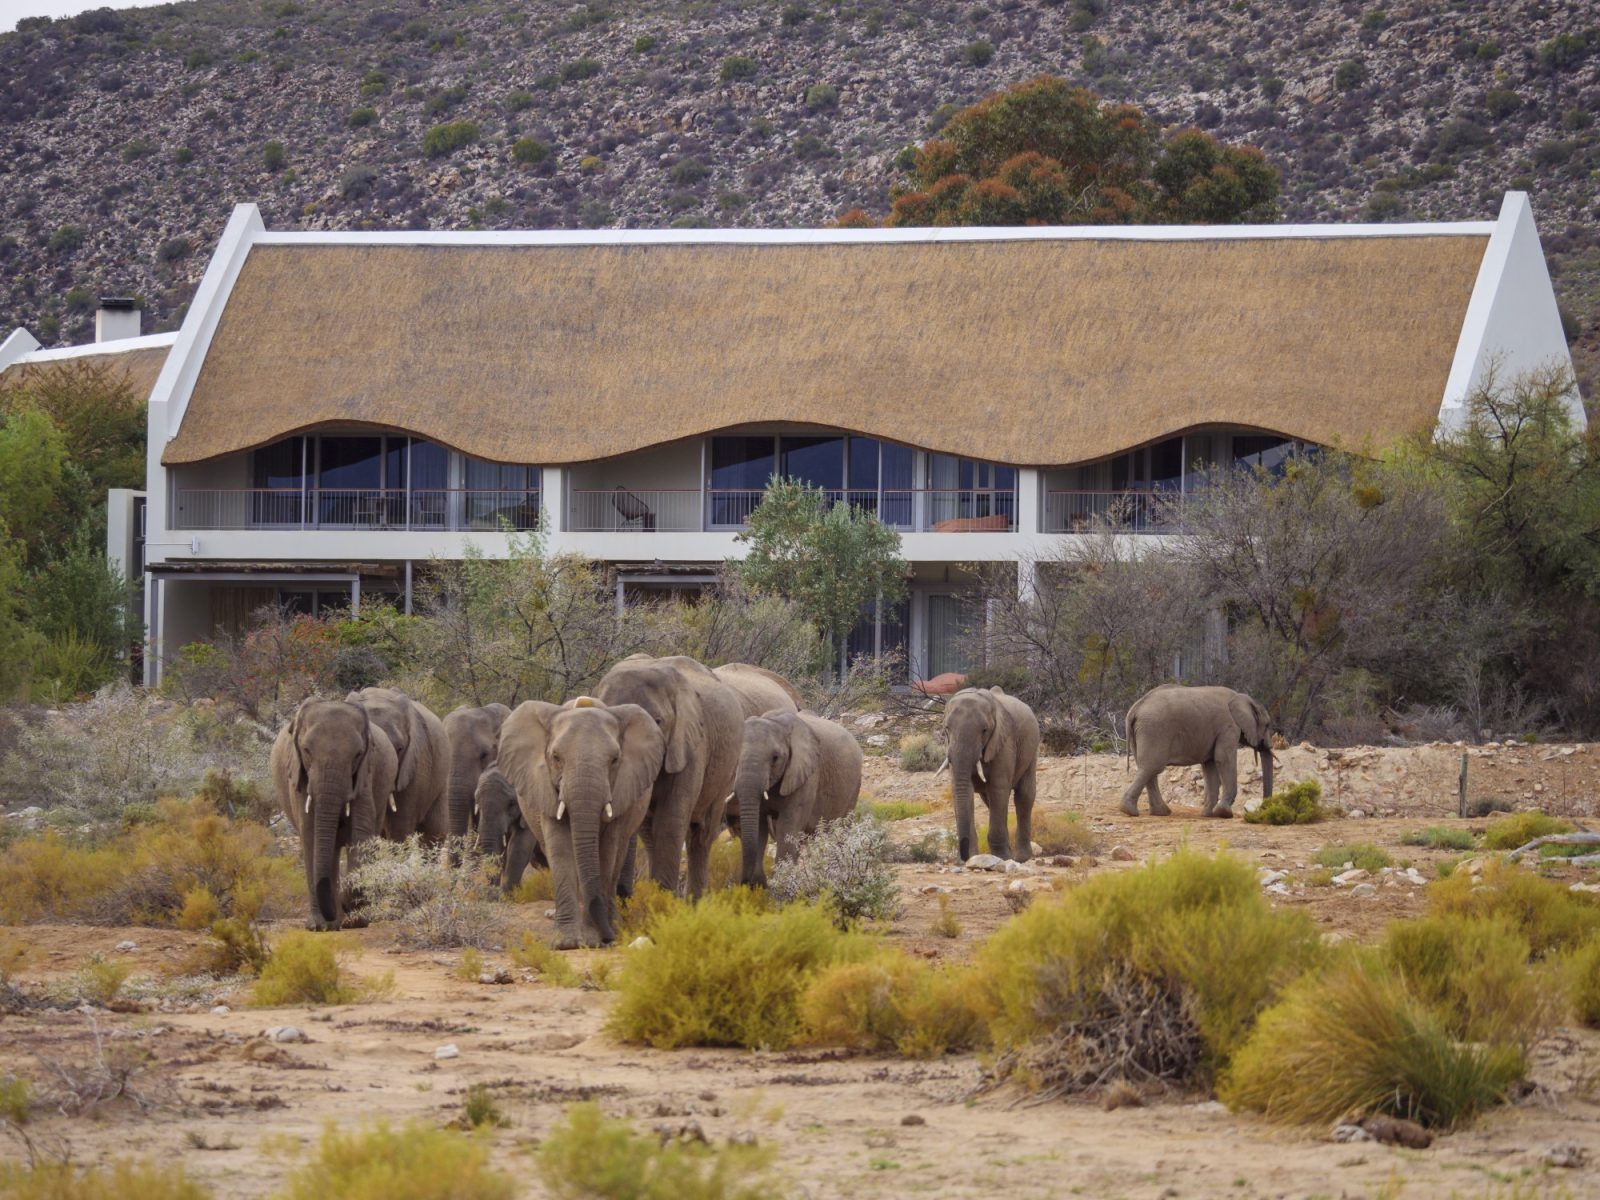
{"type": "Point", "coordinates": [691, 510]}
{"type": "Point", "coordinates": [1070, 511]}
{"type": "Point", "coordinates": [355, 508]}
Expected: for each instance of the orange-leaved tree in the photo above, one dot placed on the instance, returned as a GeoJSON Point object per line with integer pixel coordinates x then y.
{"type": "Point", "coordinates": [1047, 153]}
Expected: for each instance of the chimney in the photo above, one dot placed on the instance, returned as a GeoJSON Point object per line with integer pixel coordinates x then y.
{"type": "Point", "coordinates": [119, 317]}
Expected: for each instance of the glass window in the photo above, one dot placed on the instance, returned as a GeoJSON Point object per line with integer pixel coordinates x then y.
{"type": "Point", "coordinates": [280, 465]}
{"type": "Point", "coordinates": [430, 466]}
{"type": "Point", "coordinates": [951, 621]}
{"type": "Point", "coordinates": [741, 462]}
{"type": "Point", "coordinates": [864, 453]}
{"type": "Point", "coordinates": [818, 461]}
{"type": "Point", "coordinates": [351, 462]}
{"type": "Point", "coordinates": [1262, 450]}
{"type": "Point", "coordinates": [1166, 465]}
{"type": "Point", "coordinates": [500, 477]}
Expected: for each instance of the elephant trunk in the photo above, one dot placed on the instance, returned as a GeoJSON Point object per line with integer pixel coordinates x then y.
{"type": "Point", "coordinates": [961, 766]}
{"type": "Point", "coordinates": [327, 805]}
{"type": "Point", "coordinates": [750, 788]}
{"type": "Point", "coordinates": [458, 797]}
{"type": "Point", "coordinates": [1264, 752]}
{"type": "Point", "coordinates": [592, 887]}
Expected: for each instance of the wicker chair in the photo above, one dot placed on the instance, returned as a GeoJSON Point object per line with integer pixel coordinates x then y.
{"type": "Point", "coordinates": [632, 509]}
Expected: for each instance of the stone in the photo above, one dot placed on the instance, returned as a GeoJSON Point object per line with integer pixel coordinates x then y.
{"type": "Point", "coordinates": [985, 862]}
{"type": "Point", "coordinates": [221, 1010]}
{"type": "Point", "coordinates": [1364, 889]}
{"type": "Point", "coordinates": [284, 1033]}
{"type": "Point", "coordinates": [1013, 867]}
{"type": "Point", "coordinates": [1122, 854]}
{"type": "Point", "coordinates": [498, 975]}
{"type": "Point", "coordinates": [126, 947]}
{"type": "Point", "coordinates": [742, 1137]}
{"type": "Point", "coordinates": [1268, 878]}
{"type": "Point", "coordinates": [640, 943]}
{"type": "Point", "coordinates": [1059, 860]}
{"type": "Point", "coordinates": [877, 739]}
{"type": "Point", "coordinates": [448, 1050]}
{"type": "Point", "coordinates": [1355, 814]}
{"type": "Point", "coordinates": [1350, 1133]}
{"type": "Point", "coordinates": [1209, 1106]}
{"type": "Point", "coordinates": [1034, 849]}
{"type": "Point", "coordinates": [1279, 889]}
{"type": "Point", "coordinates": [913, 1119]}
{"type": "Point", "coordinates": [1354, 875]}
{"type": "Point", "coordinates": [1566, 1154]}
{"type": "Point", "coordinates": [1397, 1131]}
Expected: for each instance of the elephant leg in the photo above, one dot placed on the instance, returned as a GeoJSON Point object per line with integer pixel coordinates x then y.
{"type": "Point", "coordinates": [435, 824]}
{"type": "Point", "coordinates": [668, 832]}
{"type": "Point", "coordinates": [613, 853]}
{"type": "Point", "coordinates": [1027, 787]}
{"type": "Point", "coordinates": [314, 921]}
{"type": "Point", "coordinates": [518, 854]}
{"type": "Point", "coordinates": [1210, 771]}
{"type": "Point", "coordinates": [999, 791]}
{"type": "Point", "coordinates": [1158, 806]}
{"type": "Point", "coordinates": [627, 868]}
{"type": "Point", "coordinates": [789, 827]}
{"type": "Point", "coordinates": [564, 879]}
{"type": "Point", "coordinates": [701, 835]}
{"type": "Point", "coordinates": [1227, 759]}
{"type": "Point", "coordinates": [1143, 778]}
{"type": "Point", "coordinates": [351, 898]}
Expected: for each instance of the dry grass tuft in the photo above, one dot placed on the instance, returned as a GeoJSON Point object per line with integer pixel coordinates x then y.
{"type": "Point", "coordinates": [122, 1180]}
{"type": "Point", "coordinates": [380, 1163]}
{"type": "Point", "coordinates": [920, 752]}
{"type": "Point", "coordinates": [536, 887]}
{"type": "Point", "coordinates": [1552, 918]}
{"type": "Point", "coordinates": [539, 956]}
{"type": "Point", "coordinates": [1063, 833]}
{"type": "Point", "coordinates": [430, 903]}
{"type": "Point", "coordinates": [946, 924]}
{"type": "Point", "coordinates": [308, 968]}
{"type": "Point", "coordinates": [892, 1002]}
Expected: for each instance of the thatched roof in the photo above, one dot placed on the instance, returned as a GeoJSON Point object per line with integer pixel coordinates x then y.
{"type": "Point", "coordinates": [1032, 352]}
{"type": "Point", "coordinates": [140, 366]}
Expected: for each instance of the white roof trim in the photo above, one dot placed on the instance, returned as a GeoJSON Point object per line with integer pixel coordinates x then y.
{"type": "Point", "coordinates": [151, 341]}
{"type": "Point", "coordinates": [18, 343]}
{"type": "Point", "coordinates": [791, 237]}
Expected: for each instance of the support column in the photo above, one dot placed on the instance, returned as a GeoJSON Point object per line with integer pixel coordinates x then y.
{"type": "Point", "coordinates": [355, 596]}
{"type": "Point", "coordinates": [552, 502]}
{"type": "Point", "coordinates": [408, 587]}
{"type": "Point", "coordinates": [1029, 481]}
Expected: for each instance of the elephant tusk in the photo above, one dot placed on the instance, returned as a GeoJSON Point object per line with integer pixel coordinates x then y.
{"type": "Point", "coordinates": [561, 809]}
{"type": "Point", "coordinates": [308, 801]}
{"type": "Point", "coordinates": [393, 807]}
{"type": "Point", "coordinates": [608, 812]}
{"type": "Point", "coordinates": [347, 808]}
{"type": "Point", "coordinates": [942, 767]}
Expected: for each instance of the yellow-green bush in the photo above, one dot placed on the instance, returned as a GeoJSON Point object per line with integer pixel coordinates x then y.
{"type": "Point", "coordinates": [1439, 837]}
{"type": "Point", "coordinates": [1582, 970]}
{"type": "Point", "coordinates": [895, 810]}
{"type": "Point", "coordinates": [232, 946]}
{"type": "Point", "coordinates": [100, 979]}
{"type": "Point", "coordinates": [413, 1162]}
{"type": "Point", "coordinates": [1195, 926]}
{"type": "Point", "coordinates": [305, 968]}
{"type": "Point", "coordinates": [894, 1002]}
{"type": "Point", "coordinates": [121, 1180]}
{"type": "Point", "coordinates": [1298, 804]}
{"type": "Point", "coordinates": [722, 973]}
{"type": "Point", "coordinates": [1518, 829]}
{"type": "Point", "coordinates": [1063, 833]}
{"type": "Point", "coordinates": [536, 954]}
{"type": "Point", "coordinates": [647, 904]}
{"type": "Point", "coordinates": [200, 909]}
{"type": "Point", "coordinates": [590, 1157]}
{"type": "Point", "coordinates": [536, 887]}
{"type": "Point", "coordinates": [1364, 855]}
{"type": "Point", "coordinates": [1474, 972]}
{"type": "Point", "coordinates": [1552, 918]}
{"type": "Point", "coordinates": [920, 752]}
{"type": "Point", "coordinates": [1357, 1038]}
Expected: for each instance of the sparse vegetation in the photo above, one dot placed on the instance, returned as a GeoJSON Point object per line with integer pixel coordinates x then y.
{"type": "Point", "coordinates": [539, 956]}
{"type": "Point", "coordinates": [1298, 804]}
{"type": "Point", "coordinates": [844, 865]}
{"type": "Point", "coordinates": [736, 67]}
{"type": "Point", "coordinates": [124, 1179]}
{"type": "Point", "coordinates": [1063, 833]}
{"type": "Point", "coordinates": [432, 903]}
{"type": "Point", "coordinates": [448, 137]}
{"type": "Point", "coordinates": [479, 1109]}
{"type": "Point", "coordinates": [413, 1161]}
{"type": "Point", "coordinates": [1341, 856]}
{"type": "Point", "coordinates": [529, 151]}
{"type": "Point", "coordinates": [920, 752]}
{"type": "Point", "coordinates": [306, 968]}
{"type": "Point", "coordinates": [1518, 829]}
{"type": "Point", "coordinates": [894, 810]}
{"type": "Point", "coordinates": [892, 1002]}
{"type": "Point", "coordinates": [1439, 837]}
{"type": "Point", "coordinates": [1552, 918]}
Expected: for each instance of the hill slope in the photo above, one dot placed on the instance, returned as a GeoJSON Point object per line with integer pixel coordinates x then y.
{"type": "Point", "coordinates": [128, 136]}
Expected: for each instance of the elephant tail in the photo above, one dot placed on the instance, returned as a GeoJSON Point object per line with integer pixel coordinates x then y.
{"type": "Point", "coordinates": [1127, 746]}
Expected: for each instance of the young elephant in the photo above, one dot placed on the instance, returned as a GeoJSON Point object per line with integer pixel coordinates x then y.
{"type": "Point", "coordinates": [502, 831]}
{"type": "Point", "coordinates": [1174, 725]}
{"type": "Point", "coordinates": [332, 770]}
{"type": "Point", "coordinates": [474, 735]}
{"type": "Point", "coordinates": [993, 746]}
{"type": "Point", "coordinates": [796, 770]}
{"type": "Point", "coordinates": [423, 753]}
{"type": "Point", "coordinates": [583, 774]}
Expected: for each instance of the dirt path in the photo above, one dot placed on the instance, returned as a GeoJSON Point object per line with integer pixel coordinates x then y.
{"type": "Point", "coordinates": [837, 1121]}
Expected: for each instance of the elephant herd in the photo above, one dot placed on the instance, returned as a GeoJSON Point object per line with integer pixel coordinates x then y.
{"type": "Point", "coordinates": [669, 752]}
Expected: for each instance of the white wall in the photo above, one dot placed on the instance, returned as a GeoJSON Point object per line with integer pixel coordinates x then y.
{"type": "Point", "coordinates": [673, 466]}
{"type": "Point", "coordinates": [122, 528]}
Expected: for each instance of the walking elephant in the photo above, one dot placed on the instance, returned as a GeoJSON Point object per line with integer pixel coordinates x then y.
{"type": "Point", "coordinates": [702, 721]}
{"type": "Point", "coordinates": [333, 771]}
{"type": "Point", "coordinates": [992, 740]}
{"type": "Point", "coordinates": [474, 735]}
{"type": "Point", "coordinates": [796, 770]}
{"type": "Point", "coordinates": [1173, 725]}
{"type": "Point", "coordinates": [423, 751]}
{"type": "Point", "coordinates": [503, 832]}
{"type": "Point", "coordinates": [583, 773]}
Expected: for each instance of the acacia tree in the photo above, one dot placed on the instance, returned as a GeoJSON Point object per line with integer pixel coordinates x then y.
{"type": "Point", "coordinates": [830, 560]}
{"type": "Point", "coordinates": [1047, 153]}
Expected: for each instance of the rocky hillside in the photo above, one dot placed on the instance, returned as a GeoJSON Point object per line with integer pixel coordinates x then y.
{"type": "Point", "coordinates": [128, 135]}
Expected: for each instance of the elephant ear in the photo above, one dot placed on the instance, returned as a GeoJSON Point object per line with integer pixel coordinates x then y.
{"type": "Point", "coordinates": [688, 727]}
{"type": "Point", "coordinates": [523, 739]}
{"type": "Point", "coordinates": [804, 751]}
{"type": "Point", "coordinates": [1000, 732]}
{"type": "Point", "coordinates": [643, 749]}
{"type": "Point", "coordinates": [1250, 717]}
{"type": "Point", "coordinates": [297, 764]}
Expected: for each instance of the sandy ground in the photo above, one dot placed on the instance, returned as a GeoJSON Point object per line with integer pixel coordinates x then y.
{"type": "Point", "coordinates": [222, 1092]}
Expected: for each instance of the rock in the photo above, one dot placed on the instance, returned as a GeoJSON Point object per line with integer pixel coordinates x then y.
{"type": "Point", "coordinates": [1566, 1154]}
{"type": "Point", "coordinates": [283, 1033]}
{"type": "Point", "coordinates": [1268, 878]}
{"type": "Point", "coordinates": [1350, 1133]}
{"type": "Point", "coordinates": [1354, 875]}
{"type": "Point", "coordinates": [1355, 814]}
{"type": "Point", "coordinates": [870, 720]}
{"type": "Point", "coordinates": [126, 947]}
{"type": "Point", "coordinates": [640, 943]}
{"type": "Point", "coordinates": [221, 1010]}
{"type": "Point", "coordinates": [1122, 854]}
{"type": "Point", "coordinates": [688, 1131]}
{"type": "Point", "coordinates": [877, 739]}
{"type": "Point", "coordinates": [448, 1050]}
{"type": "Point", "coordinates": [1059, 860]}
{"type": "Point", "coordinates": [1209, 1106]}
{"type": "Point", "coordinates": [742, 1137]}
{"type": "Point", "coordinates": [1017, 885]}
{"type": "Point", "coordinates": [1034, 849]}
{"type": "Point", "coordinates": [985, 862]}
{"type": "Point", "coordinates": [913, 1119]}
{"type": "Point", "coordinates": [1397, 1131]}
{"type": "Point", "coordinates": [1364, 889]}
{"type": "Point", "coordinates": [498, 975]}
{"type": "Point", "coordinates": [1279, 889]}
{"type": "Point", "coordinates": [1013, 867]}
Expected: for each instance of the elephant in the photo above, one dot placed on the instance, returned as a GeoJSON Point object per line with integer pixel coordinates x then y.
{"type": "Point", "coordinates": [702, 721]}
{"type": "Point", "coordinates": [333, 770]}
{"type": "Point", "coordinates": [583, 773]}
{"type": "Point", "coordinates": [760, 690]}
{"type": "Point", "coordinates": [502, 831]}
{"type": "Point", "coordinates": [423, 749]}
{"type": "Point", "coordinates": [796, 770]}
{"type": "Point", "coordinates": [992, 742]}
{"type": "Point", "coordinates": [1173, 725]}
{"type": "Point", "coordinates": [474, 735]}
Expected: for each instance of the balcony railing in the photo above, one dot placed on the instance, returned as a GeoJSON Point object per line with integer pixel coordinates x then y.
{"type": "Point", "coordinates": [690, 510]}
{"type": "Point", "coordinates": [1126, 512]}
{"type": "Point", "coordinates": [355, 508]}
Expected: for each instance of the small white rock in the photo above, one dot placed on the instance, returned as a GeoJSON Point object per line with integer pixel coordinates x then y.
{"type": "Point", "coordinates": [1350, 1133]}
{"type": "Point", "coordinates": [1268, 878]}
{"type": "Point", "coordinates": [985, 862]}
{"type": "Point", "coordinates": [1355, 814]}
{"type": "Point", "coordinates": [284, 1033]}
{"type": "Point", "coordinates": [1013, 867]}
{"type": "Point", "coordinates": [1354, 875]}
{"type": "Point", "coordinates": [640, 942]}
{"type": "Point", "coordinates": [448, 1050]}
{"type": "Point", "coordinates": [221, 1010]}
{"type": "Point", "coordinates": [1364, 889]}
{"type": "Point", "coordinates": [126, 947]}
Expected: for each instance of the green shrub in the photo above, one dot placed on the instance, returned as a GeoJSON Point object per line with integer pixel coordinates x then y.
{"type": "Point", "coordinates": [1361, 855]}
{"type": "Point", "coordinates": [449, 137]}
{"type": "Point", "coordinates": [233, 945]}
{"type": "Point", "coordinates": [977, 54]}
{"type": "Point", "coordinates": [1484, 805]}
{"type": "Point", "coordinates": [736, 67]}
{"type": "Point", "coordinates": [1357, 1039]}
{"type": "Point", "coordinates": [360, 117]}
{"type": "Point", "coordinates": [687, 171]}
{"type": "Point", "coordinates": [1552, 918]}
{"type": "Point", "coordinates": [1518, 829]}
{"type": "Point", "coordinates": [721, 973]}
{"type": "Point", "coordinates": [1192, 931]}
{"type": "Point", "coordinates": [1063, 833]}
{"type": "Point", "coordinates": [538, 955]}
{"type": "Point", "coordinates": [822, 95]}
{"type": "Point", "coordinates": [1439, 837]}
{"type": "Point", "coordinates": [16, 1101]}
{"type": "Point", "coordinates": [893, 1002]}
{"type": "Point", "coordinates": [1566, 50]}
{"type": "Point", "coordinates": [582, 68]}
{"type": "Point", "coordinates": [1474, 972]}
{"type": "Point", "coordinates": [644, 43]}
{"type": "Point", "coordinates": [304, 968]}
{"type": "Point", "coordinates": [920, 752]}
{"type": "Point", "coordinates": [1298, 804]}
{"type": "Point", "coordinates": [1350, 74]}
{"type": "Point", "coordinates": [415, 1162]}
{"type": "Point", "coordinates": [122, 1180]}
{"type": "Point", "coordinates": [536, 886]}
{"type": "Point", "coordinates": [590, 1157]}
{"type": "Point", "coordinates": [518, 99]}
{"type": "Point", "coordinates": [1582, 969]}
{"type": "Point", "coordinates": [273, 156]}
{"type": "Point", "coordinates": [66, 239]}
{"type": "Point", "coordinates": [529, 151]}
{"type": "Point", "coordinates": [946, 924]}
{"type": "Point", "coordinates": [100, 979]}
{"type": "Point", "coordinates": [1501, 102]}
{"type": "Point", "coordinates": [478, 1109]}
{"type": "Point", "coordinates": [649, 902]}
{"type": "Point", "coordinates": [895, 810]}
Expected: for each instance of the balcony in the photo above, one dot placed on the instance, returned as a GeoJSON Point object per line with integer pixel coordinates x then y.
{"type": "Point", "coordinates": [1077, 511]}
{"type": "Point", "coordinates": [454, 509]}
{"type": "Point", "coordinates": [693, 510]}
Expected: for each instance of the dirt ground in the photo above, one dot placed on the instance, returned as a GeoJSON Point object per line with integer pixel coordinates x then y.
{"type": "Point", "coordinates": [228, 1101]}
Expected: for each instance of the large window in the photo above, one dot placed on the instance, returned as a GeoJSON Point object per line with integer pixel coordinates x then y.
{"type": "Point", "coordinates": [874, 476]}
{"type": "Point", "coordinates": [965, 494]}
{"type": "Point", "coordinates": [499, 494]}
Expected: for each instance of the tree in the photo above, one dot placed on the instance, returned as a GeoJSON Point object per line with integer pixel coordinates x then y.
{"type": "Point", "coordinates": [99, 413]}
{"type": "Point", "coordinates": [19, 643]}
{"type": "Point", "coordinates": [831, 560]}
{"type": "Point", "coordinates": [33, 466]}
{"type": "Point", "coordinates": [1045, 152]}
